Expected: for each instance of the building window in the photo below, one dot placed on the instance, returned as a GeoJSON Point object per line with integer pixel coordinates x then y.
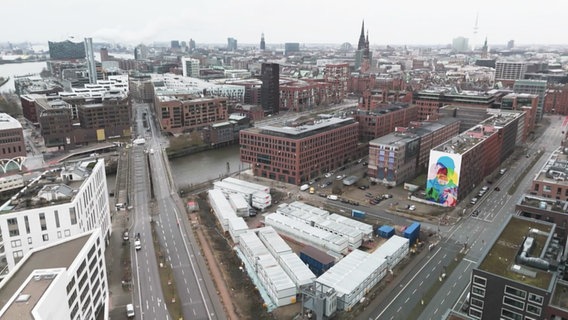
{"type": "Point", "coordinates": [533, 309]}
{"type": "Point", "coordinates": [535, 298]}
{"type": "Point", "coordinates": [42, 221]}
{"type": "Point", "coordinates": [513, 303]}
{"type": "Point", "coordinates": [58, 234]}
{"type": "Point", "coordinates": [45, 237]}
{"type": "Point", "coordinates": [27, 223]}
{"type": "Point", "coordinates": [516, 292]}
{"type": "Point", "coordinates": [508, 314]}
{"type": "Point", "coordinates": [18, 255]}
{"type": "Point", "coordinates": [546, 188]}
{"type": "Point", "coordinates": [72, 215]}
{"type": "Point", "coordinates": [13, 227]}
{"type": "Point", "coordinates": [479, 281]}
{"type": "Point", "coordinates": [475, 313]}
{"type": "Point", "coordinates": [476, 302]}
{"type": "Point", "coordinates": [67, 232]}
{"type": "Point", "coordinates": [29, 240]}
{"type": "Point", "coordinates": [56, 219]}
{"type": "Point", "coordinates": [16, 243]}
{"type": "Point", "coordinates": [536, 186]}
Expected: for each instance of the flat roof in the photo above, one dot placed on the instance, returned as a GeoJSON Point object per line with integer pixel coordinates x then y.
{"type": "Point", "coordinates": [307, 128]}
{"type": "Point", "coordinates": [555, 170]}
{"type": "Point", "coordinates": [7, 122]}
{"type": "Point", "coordinates": [60, 255]}
{"type": "Point", "coordinates": [501, 258]}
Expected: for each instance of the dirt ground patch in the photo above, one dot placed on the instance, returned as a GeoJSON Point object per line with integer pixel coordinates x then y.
{"type": "Point", "coordinates": [246, 300]}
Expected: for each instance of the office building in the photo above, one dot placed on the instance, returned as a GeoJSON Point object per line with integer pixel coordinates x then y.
{"type": "Point", "coordinates": [338, 76]}
{"type": "Point", "coordinates": [460, 44]}
{"type": "Point", "coordinates": [509, 71]}
{"type": "Point", "coordinates": [66, 279]}
{"type": "Point", "coordinates": [66, 50]}
{"type": "Point", "coordinates": [190, 67]}
{"type": "Point", "coordinates": [12, 143]}
{"type": "Point", "coordinates": [384, 119]}
{"type": "Point", "coordinates": [519, 276]}
{"type": "Point", "coordinates": [429, 101]}
{"type": "Point", "coordinates": [91, 64]}
{"type": "Point", "coordinates": [59, 204]}
{"type": "Point", "coordinates": [296, 154]}
{"type": "Point", "coordinates": [291, 48]}
{"type": "Point", "coordinates": [104, 55]}
{"type": "Point", "coordinates": [399, 156]}
{"type": "Point", "coordinates": [231, 44]}
{"type": "Point", "coordinates": [551, 182]}
{"type": "Point", "coordinates": [537, 87]}
{"type": "Point", "coordinates": [174, 45]}
{"type": "Point", "coordinates": [457, 166]}
{"type": "Point", "coordinates": [510, 44]}
{"type": "Point", "coordinates": [270, 89]}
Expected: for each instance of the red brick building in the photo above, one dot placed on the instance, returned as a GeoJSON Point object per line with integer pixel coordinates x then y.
{"type": "Point", "coordinates": [384, 118]}
{"type": "Point", "coordinates": [556, 100]}
{"type": "Point", "coordinates": [552, 181]}
{"type": "Point", "coordinates": [337, 75]}
{"type": "Point", "coordinates": [12, 143]}
{"type": "Point", "coordinates": [185, 112]}
{"type": "Point", "coordinates": [298, 154]}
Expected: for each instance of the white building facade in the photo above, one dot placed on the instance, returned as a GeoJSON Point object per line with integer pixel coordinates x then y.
{"type": "Point", "coordinates": [59, 204]}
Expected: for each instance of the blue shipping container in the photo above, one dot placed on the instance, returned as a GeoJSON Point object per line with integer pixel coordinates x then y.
{"type": "Point", "coordinates": [412, 232]}
{"type": "Point", "coordinates": [357, 214]}
{"type": "Point", "coordinates": [385, 231]}
{"type": "Point", "coordinates": [317, 260]}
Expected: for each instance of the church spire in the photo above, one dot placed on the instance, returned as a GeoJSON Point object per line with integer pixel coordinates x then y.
{"type": "Point", "coordinates": [361, 44]}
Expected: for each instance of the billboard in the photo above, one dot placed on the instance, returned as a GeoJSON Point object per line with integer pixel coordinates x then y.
{"type": "Point", "coordinates": [443, 178]}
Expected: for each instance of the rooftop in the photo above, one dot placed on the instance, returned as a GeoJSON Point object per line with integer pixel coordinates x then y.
{"type": "Point", "coordinates": [410, 133]}
{"type": "Point", "coordinates": [548, 204]}
{"type": "Point", "coordinates": [60, 255]}
{"type": "Point", "coordinates": [555, 170]}
{"type": "Point", "coordinates": [7, 122]}
{"type": "Point", "coordinates": [500, 260]}
{"type": "Point", "coordinates": [306, 129]}
{"type": "Point", "coordinates": [52, 187]}
{"type": "Point", "coordinates": [560, 296]}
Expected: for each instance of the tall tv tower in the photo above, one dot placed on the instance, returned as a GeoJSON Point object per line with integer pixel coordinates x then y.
{"type": "Point", "coordinates": [475, 29]}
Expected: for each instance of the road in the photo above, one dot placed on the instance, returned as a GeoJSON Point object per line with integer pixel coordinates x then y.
{"type": "Point", "coordinates": [190, 274]}
{"type": "Point", "coordinates": [149, 298]}
{"type": "Point", "coordinates": [470, 236]}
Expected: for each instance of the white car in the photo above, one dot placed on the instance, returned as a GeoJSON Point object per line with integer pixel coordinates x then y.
{"type": "Point", "coordinates": [137, 244]}
{"type": "Point", "coordinates": [473, 201]}
{"type": "Point", "coordinates": [327, 175]}
{"type": "Point", "coordinates": [412, 207]}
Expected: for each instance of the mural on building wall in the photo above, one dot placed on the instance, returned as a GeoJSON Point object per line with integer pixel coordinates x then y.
{"type": "Point", "coordinates": [443, 178]}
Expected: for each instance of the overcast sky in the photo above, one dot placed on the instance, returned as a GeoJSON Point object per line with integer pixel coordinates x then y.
{"type": "Point", "coordinates": [308, 21]}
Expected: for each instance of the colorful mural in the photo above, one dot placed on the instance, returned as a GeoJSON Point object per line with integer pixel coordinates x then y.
{"type": "Point", "coordinates": [443, 178]}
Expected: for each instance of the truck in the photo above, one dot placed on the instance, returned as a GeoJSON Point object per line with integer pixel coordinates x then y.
{"type": "Point", "coordinates": [412, 232]}
{"type": "Point", "coordinates": [358, 214]}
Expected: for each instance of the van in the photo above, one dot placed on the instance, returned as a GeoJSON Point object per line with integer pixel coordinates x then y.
{"type": "Point", "coordinates": [332, 197]}
{"type": "Point", "coordinates": [130, 310]}
{"type": "Point", "coordinates": [304, 187]}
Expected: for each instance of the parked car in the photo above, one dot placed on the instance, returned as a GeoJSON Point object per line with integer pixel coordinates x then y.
{"type": "Point", "coordinates": [497, 189]}
{"type": "Point", "coordinates": [333, 197]}
{"type": "Point", "coordinates": [473, 201]}
{"type": "Point", "coordinates": [475, 213]}
{"type": "Point", "coordinates": [412, 207]}
{"type": "Point", "coordinates": [125, 236]}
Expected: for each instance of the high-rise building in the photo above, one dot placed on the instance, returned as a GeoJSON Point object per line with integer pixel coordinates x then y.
{"type": "Point", "coordinates": [190, 67]}
{"type": "Point", "coordinates": [104, 54]}
{"type": "Point", "coordinates": [192, 46]}
{"type": "Point", "coordinates": [231, 44]}
{"type": "Point", "coordinates": [91, 64]}
{"type": "Point", "coordinates": [460, 44]}
{"type": "Point", "coordinates": [270, 89]}
{"type": "Point", "coordinates": [175, 44]}
{"type": "Point", "coordinates": [57, 205]}
{"type": "Point", "coordinates": [262, 43]}
{"type": "Point", "coordinates": [510, 44]}
{"type": "Point", "coordinates": [291, 48]}
{"type": "Point", "coordinates": [140, 52]}
{"type": "Point", "coordinates": [537, 87]}
{"type": "Point", "coordinates": [510, 70]}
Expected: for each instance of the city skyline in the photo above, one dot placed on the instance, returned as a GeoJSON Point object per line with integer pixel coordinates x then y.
{"type": "Point", "coordinates": [396, 23]}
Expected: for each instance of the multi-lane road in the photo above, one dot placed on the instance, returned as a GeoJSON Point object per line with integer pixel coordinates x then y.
{"type": "Point", "coordinates": [470, 236]}
{"type": "Point", "coordinates": [195, 289]}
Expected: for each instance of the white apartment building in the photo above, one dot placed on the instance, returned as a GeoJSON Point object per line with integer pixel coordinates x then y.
{"type": "Point", "coordinates": [58, 204]}
{"type": "Point", "coordinates": [64, 280]}
{"type": "Point", "coordinates": [190, 67]}
{"type": "Point", "coordinates": [510, 70]}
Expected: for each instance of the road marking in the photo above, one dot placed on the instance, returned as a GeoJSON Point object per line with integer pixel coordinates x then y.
{"type": "Point", "coordinates": [414, 292]}
{"type": "Point", "coordinates": [468, 260]}
{"type": "Point", "coordinates": [407, 298]}
{"type": "Point", "coordinates": [412, 279]}
{"type": "Point", "coordinates": [421, 283]}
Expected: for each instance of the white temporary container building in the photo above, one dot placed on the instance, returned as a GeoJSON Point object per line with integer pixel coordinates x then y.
{"type": "Point", "coordinates": [221, 207]}
{"type": "Point", "coordinates": [250, 185]}
{"type": "Point", "coordinates": [273, 242]}
{"type": "Point", "coordinates": [255, 198]}
{"type": "Point", "coordinates": [394, 250]}
{"type": "Point", "coordinates": [237, 226]}
{"type": "Point", "coordinates": [354, 236]}
{"type": "Point", "coordinates": [304, 233]}
{"type": "Point", "coordinates": [296, 269]}
{"type": "Point", "coordinates": [304, 216]}
{"type": "Point", "coordinates": [307, 208]}
{"type": "Point", "coordinates": [366, 229]}
{"type": "Point", "coordinates": [239, 204]}
{"type": "Point", "coordinates": [353, 277]}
